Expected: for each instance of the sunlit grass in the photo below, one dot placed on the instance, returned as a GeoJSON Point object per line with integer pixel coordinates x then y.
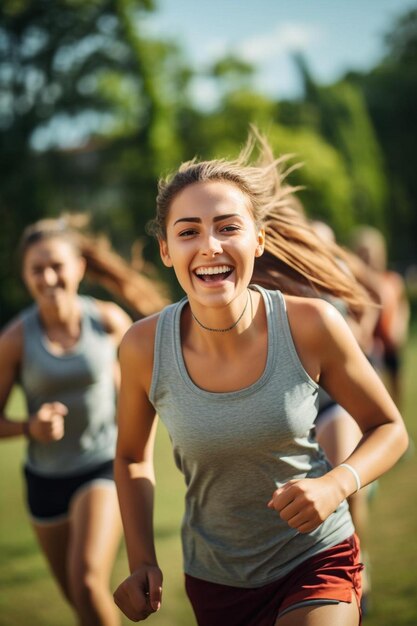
{"type": "Point", "coordinates": [28, 594]}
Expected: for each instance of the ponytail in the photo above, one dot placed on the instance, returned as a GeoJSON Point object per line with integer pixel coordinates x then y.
{"type": "Point", "coordinates": [133, 288]}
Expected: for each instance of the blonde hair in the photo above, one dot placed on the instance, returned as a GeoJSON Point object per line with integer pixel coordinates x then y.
{"type": "Point", "coordinates": [103, 265]}
{"type": "Point", "coordinates": [296, 260]}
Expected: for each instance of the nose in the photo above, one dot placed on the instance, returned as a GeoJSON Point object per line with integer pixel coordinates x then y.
{"type": "Point", "coordinates": [212, 245]}
{"type": "Point", "coordinates": [49, 276]}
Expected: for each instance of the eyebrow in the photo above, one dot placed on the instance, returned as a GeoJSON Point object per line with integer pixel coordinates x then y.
{"type": "Point", "coordinates": [197, 220]}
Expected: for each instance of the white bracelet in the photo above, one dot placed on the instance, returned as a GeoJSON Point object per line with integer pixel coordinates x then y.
{"type": "Point", "coordinates": [355, 474]}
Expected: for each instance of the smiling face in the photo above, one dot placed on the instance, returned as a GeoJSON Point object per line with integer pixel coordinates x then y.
{"type": "Point", "coordinates": [52, 271]}
{"type": "Point", "coordinates": [212, 242]}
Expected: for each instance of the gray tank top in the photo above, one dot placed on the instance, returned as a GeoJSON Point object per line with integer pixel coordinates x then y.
{"type": "Point", "coordinates": [235, 449]}
{"type": "Point", "coordinates": [83, 380]}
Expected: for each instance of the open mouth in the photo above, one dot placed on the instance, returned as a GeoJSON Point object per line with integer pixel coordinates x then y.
{"type": "Point", "coordinates": [51, 291]}
{"type": "Point", "coordinates": [213, 274]}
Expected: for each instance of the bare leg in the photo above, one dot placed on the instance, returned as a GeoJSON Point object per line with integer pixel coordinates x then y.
{"type": "Point", "coordinates": [342, 614]}
{"type": "Point", "coordinates": [95, 535]}
{"type": "Point", "coordinates": [53, 538]}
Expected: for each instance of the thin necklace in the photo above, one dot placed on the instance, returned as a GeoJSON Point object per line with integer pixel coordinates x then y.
{"type": "Point", "coordinates": [225, 330]}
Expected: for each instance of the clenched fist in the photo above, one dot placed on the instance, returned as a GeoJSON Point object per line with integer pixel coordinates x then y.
{"type": "Point", "coordinates": [141, 593]}
{"type": "Point", "coordinates": [305, 504]}
{"type": "Point", "coordinates": [47, 424]}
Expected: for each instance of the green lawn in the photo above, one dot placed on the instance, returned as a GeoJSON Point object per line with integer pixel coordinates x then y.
{"type": "Point", "coordinates": [28, 595]}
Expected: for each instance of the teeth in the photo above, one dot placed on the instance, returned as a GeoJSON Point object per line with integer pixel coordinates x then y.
{"type": "Point", "coordinates": [219, 269]}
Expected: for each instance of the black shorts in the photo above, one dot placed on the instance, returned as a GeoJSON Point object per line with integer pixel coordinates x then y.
{"type": "Point", "coordinates": [49, 499]}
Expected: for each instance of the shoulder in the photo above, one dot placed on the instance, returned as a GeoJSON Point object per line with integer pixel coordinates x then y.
{"type": "Point", "coordinates": [142, 333]}
{"type": "Point", "coordinates": [322, 337]}
{"type": "Point", "coordinates": [317, 326]}
{"type": "Point", "coordinates": [394, 282]}
{"type": "Point", "coordinates": [136, 352]}
{"type": "Point", "coordinates": [138, 342]}
{"type": "Point", "coordinates": [114, 319]}
{"type": "Point", "coordinates": [316, 314]}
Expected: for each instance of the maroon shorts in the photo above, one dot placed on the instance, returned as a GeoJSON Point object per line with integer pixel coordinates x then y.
{"type": "Point", "coordinates": [332, 576]}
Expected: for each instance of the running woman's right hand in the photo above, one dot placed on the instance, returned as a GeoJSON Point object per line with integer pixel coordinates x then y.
{"type": "Point", "coordinates": [47, 424]}
{"type": "Point", "coordinates": [141, 593]}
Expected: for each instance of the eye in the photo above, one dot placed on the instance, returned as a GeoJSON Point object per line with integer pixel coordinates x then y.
{"type": "Point", "coordinates": [187, 233]}
{"type": "Point", "coordinates": [229, 228]}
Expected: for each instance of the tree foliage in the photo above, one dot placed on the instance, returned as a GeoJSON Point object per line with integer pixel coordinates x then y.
{"type": "Point", "coordinates": [93, 110]}
{"type": "Point", "coordinates": [390, 91]}
{"type": "Point", "coordinates": [343, 120]}
{"type": "Point", "coordinates": [87, 112]}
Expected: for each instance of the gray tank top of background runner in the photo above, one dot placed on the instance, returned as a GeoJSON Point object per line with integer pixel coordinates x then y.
{"type": "Point", "coordinates": [234, 449]}
{"type": "Point", "coordinates": [83, 380]}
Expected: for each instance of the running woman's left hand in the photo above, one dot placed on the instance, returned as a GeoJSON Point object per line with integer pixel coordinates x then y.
{"type": "Point", "coordinates": [305, 504]}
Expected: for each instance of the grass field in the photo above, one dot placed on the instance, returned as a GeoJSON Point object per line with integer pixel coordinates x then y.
{"type": "Point", "coordinates": [28, 595]}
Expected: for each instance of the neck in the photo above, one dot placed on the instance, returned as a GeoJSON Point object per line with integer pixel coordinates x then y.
{"type": "Point", "coordinates": [235, 323]}
{"type": "Point", "coordinates": [61, 316]}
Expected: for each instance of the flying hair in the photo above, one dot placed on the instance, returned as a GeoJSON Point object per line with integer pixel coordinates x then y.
{"type": "Point", "coordinates": [295, 260]}
{"type": "Point", "coordinates": [104, 266]}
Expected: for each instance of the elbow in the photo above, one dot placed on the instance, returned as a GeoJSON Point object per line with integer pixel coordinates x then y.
{"type": "Point", "coordinates": [129, 468]}
{"type": "Point", "coordinates": [404, 441]}
{"type": "Point", "coordinates": [398, 439]}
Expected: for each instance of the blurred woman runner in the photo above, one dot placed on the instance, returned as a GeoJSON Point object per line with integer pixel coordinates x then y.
{"type": "Point", "coordinates": [391, 331]}
{"type": "Point", "coordinates": [63, 352]}
{"type": "Point", "coordinates": [233, 371]}
{"type": "Point", "coordinates": [337, 432]}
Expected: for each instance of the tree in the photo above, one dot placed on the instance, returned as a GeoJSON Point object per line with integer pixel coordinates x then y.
{"type": "Point", "coordinates": [390, 91]}
{"type": "Point", "coordinates": [343, 120]}
{"type": "Point", "coordinates": [87, 116]}
{"type": "Point", "coordinates": [222, 133]}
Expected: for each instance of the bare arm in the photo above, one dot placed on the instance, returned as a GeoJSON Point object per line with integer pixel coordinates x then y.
{"type": "Point", "coordinates": [330, 354]}
{"type": "Point", "coordinates": [140, 594]}
{"type": "Point", "coordinates": [395, 316]}
{"type": "Point", "coordinates": [116, 322]}
{"type": "Point", "coordinates": [349, 378]}
{"type": "Point", "coordinates": [11, 348]}
{"type": "Point", "coordinates": [46, 424]}
{"type": "Point", "coordinates": [115, 319]}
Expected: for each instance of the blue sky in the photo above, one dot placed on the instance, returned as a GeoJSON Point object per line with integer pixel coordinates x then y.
{"type": "Point", "coordinates": [334, 35]}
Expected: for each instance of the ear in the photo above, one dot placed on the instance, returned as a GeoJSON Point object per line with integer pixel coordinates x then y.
{"type": "Point", "coordinates": [164, 252]}
{"type": "Point", "coordinates": [261, 243]}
